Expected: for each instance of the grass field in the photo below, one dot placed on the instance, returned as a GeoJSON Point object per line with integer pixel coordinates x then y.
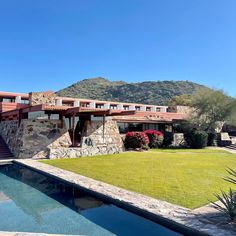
{"type": "Point", "coordinates": [183, 177]}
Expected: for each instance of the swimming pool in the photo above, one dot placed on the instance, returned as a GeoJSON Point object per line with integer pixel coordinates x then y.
{"type": "Point", "coordinates": [32, 202]}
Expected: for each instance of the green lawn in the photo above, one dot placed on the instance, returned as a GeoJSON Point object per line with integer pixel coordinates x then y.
{"type": "Point", "coordinates": [185, 178]}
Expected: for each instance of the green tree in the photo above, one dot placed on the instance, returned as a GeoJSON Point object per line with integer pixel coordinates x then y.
{"type": "Point", "coordinates": [180, 100]}
{"type": "Point", "coordinates": [212, 108]}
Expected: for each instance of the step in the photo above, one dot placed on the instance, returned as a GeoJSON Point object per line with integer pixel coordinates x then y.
{"type": "Point", "coordinates": [5, 152]}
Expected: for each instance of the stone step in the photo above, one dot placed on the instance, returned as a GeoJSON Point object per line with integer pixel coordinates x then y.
{"type": "Point", "coordinates": [5, 152]}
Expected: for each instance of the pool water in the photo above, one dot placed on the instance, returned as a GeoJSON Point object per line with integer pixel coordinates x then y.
{"type": "Point", "coordinates": [32, 202]}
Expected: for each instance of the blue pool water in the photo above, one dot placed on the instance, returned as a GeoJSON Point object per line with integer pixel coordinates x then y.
{"type": "Point", "coordinates": [31, 202]}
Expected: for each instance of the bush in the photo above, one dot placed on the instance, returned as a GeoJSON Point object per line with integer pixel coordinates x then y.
{"type": "Point", "coordinates": [155, 138]}
{"type": "Point", "coordinates": [196, 138]}
{"type": "Point", "coordinates": [212, 139]}
{"type": "Point", "coordinates": [227, 200]}
{"type": "Point", "coordinates": [168, 138]}
{"type": "Point", "coordinates": [227, 204]}
{"type": "Point", "coordinates": [136, 140]}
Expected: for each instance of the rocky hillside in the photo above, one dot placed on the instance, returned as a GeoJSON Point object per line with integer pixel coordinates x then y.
{"type": "Point", "coordinates": [150, 92]}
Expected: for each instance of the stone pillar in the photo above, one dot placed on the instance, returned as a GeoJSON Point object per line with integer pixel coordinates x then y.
{"type": "Point", "coordinates": [18, 99]}
{"type": "Point", "coordinates": [153, 109]}
{"type": "Point", "coordinates": [120, 107]}
{"type": "Point", "coordinates": [143, 108]}
{"type": "Point", "coordinates": [92, 105]}
{"type": "Point", "coordinates": [76, 103]}
{"type": "Point", "coordinates": [106, 105]}
{"type": "Point", "coordinates": [59, 102]}
{"type": "Point", "coordinates": [164, 109]}
{"type": "Point", "coordinates": [132, 108]}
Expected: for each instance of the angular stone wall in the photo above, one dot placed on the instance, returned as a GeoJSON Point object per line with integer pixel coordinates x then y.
{"type": "Point", "coordinates": [47, 139]}
{"type": "Point", "coordinates": [97, 140]}
{"type": "Point", "coordinates": [34, 138]}
{"type": "Point", "coordinates": [102, 134]}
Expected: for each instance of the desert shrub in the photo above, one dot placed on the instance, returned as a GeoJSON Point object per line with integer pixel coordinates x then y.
{"type": "Point", "coordinates": [155, 138]}
{"type": "Point", "coordinates": [196, 138]}
{"type": "Point", "coordinates": [136, 140]}
{"type": "Point", "coordinates": [227, 200]}
{"type": "Point", "coordinates": [228, 203]}
{"type": "Point", "coordinates": [168, 138]}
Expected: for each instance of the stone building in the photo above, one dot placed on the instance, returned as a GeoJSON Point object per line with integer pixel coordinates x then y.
{"type": "Point", "coordinates": [43, 125]}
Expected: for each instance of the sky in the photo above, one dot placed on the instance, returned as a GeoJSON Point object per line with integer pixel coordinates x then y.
{"type": "Point", "coordinates": [50, 44]}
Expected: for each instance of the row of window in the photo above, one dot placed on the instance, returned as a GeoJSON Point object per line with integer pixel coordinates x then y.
{"type": "Point", "coordinates": [13, 100]}
{"type": "Point", "coordinates": [84, 104]}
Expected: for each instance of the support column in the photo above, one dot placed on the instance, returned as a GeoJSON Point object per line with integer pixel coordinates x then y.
{"type": "Point", "coordinates": [103, 127]}
{"type": "Point", "coordinates": [73, 130]}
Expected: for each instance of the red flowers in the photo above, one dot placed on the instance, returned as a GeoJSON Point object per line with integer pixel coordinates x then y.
{"type": "Point", "coordinates": [153, 132]}
{"type": "Point", "coordinates": [149, 137]}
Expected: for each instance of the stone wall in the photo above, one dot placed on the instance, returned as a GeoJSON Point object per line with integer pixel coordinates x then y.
{"type": "Point", "coordinates": [97, 140]}
{"type": "Point", "coordinates": [34, 138]}
{"type": "Point", "coordinates": [37, 98]}
{"type": "Point", "coordinates": [47, 139]}
{"type": "Point", "coordinates": [9, 132]}
{"type": "Point", "coordinates": [178, 140]}
{"type": "Point", "coordinates": [102, 134]}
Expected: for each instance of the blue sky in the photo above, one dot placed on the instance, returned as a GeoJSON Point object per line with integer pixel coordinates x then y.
{"type": "Point", "coordinates": [50, 44]}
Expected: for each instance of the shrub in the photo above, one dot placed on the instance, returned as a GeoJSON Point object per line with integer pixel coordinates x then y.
{"type": "Point", "coordinates": [212, 139]}
{"type": "Point", "coordinates": [155, 138]}
{"type": "Point", "coordinates": [168, 138]}
{"type": "Point", "coordinates": [196, 138]}
{"type": "Point", "coordinates": [228, 202]}
{"type": "Point", "coordinates": [136, 140]}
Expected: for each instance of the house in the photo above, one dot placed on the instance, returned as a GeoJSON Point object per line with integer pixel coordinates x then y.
{"type": "Point", "coordinates": [42, 124]}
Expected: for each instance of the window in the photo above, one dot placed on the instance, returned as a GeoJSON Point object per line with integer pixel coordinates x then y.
{"type": "Point", "coordinates": [137, 108]}
{"type": "Point", "coordinates": [8, 99]}
{"type": "Point", "coordinates": [158, 109]}
{"type": "Point", "coordinates": [99, 105]}
{"type": "Point", "coordinates": [114, 107]}
{"type": "Point", "coordinates": [148, 109]}
{"type": "Point", "coordinates": [24, 101]}
{"type": "Point", "coordinates": [126, 108]}
{"type": "Point", "coordinates": [84, 104]}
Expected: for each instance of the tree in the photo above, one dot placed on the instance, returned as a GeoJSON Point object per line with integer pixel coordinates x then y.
{"type": "Point", "coordinates": [212, 108]}
{"type": "Point", "coordinates": [180, 100]}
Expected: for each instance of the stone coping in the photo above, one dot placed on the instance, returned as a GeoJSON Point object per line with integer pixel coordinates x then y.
{"type": "Point", "coordinates": [160, 209]}
{"type": "Point", "coordinates": [4, 233]}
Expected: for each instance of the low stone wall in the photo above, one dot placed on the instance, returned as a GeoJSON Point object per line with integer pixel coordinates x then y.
{"type": "Point", "coordinates": [59, 153]}
{"type": "Point", "coordinates": [34, 138]}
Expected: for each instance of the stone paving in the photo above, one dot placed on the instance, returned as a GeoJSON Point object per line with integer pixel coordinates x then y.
{"type": "Point", "coordinates": [223, 148]}
{"type": "Point", "coordinates": [181, 215]}
{"type": "Point", "coordinates": [26, 234]}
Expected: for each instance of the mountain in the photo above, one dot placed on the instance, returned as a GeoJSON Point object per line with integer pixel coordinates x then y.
{"type": "Point", "coordinates": [148, 92]}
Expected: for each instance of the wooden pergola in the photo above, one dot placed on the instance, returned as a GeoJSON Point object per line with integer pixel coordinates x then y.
{"type": "Point", "coordinates": [86, 113]}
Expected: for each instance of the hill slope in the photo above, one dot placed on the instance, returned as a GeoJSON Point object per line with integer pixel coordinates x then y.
{"type": "Point", "coordinates": [149, 92]}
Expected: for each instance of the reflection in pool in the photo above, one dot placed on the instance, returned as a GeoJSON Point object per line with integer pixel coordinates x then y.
{"type": "Point", "coordinates": [32, 202]}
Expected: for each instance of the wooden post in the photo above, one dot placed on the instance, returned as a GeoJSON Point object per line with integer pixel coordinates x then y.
{"type": "Point", "coordinates": [73, 130]}
{"type": "Point", "coordinates": [103, 128]}
{"type": "Point", "coordinates": [61, 120]}
{"type": "Point", "coordinates": [69, 123]}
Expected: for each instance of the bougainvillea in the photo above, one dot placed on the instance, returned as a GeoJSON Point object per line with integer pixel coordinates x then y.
{"type": "Point", "coordinates": [155, 138]}
{"type": "Point", "coordinates": [136, 140]}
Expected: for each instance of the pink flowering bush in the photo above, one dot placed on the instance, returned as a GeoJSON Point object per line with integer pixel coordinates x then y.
{"type": "Point", "coordinates": [136, 140]}
{"type": "Point", "coordinates": [155, 138]}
